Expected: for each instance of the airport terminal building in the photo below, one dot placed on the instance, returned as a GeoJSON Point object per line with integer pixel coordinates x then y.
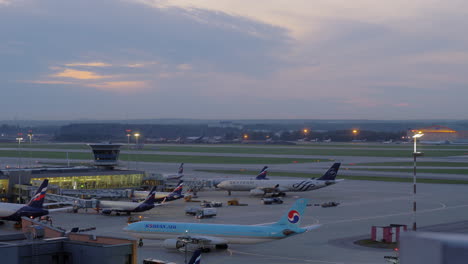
{"type": "Point", "coordinates": [16, 183]}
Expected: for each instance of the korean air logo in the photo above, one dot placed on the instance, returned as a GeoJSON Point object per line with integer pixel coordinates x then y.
{"type": "Point", "coordinates": [293, 216]}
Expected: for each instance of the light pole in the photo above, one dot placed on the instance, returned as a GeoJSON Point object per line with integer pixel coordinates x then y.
{"type": "Point", "coordinates": [30, 135]}
{"type": "Point", "coordinates": [415, 154]}
{"type": "Point", "coordinates": [137, 135]}
{"type": "Point", "coordinates": [19, 138]}
{"type": "Point", "coordinates": [306, 132]}
{"type": "Point", "coordinates": [129, 131]}
{"type": "Point", "coordinates": [355, 131]}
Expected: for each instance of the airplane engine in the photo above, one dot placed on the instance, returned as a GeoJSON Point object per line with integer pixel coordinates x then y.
{"type": "Point", "coordinates": [173, 244]}
{"type": "Point", "coordinates": [256, 192]}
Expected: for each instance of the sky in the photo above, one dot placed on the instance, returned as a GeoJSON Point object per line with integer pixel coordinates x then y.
{"type": "Point", "coordinates": [233, 59]}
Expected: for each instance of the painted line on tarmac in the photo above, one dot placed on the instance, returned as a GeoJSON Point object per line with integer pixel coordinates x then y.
{"type": "Point", "coordinates": [282, 257]}
{"type": "Point", "coordinates": [443, 207]}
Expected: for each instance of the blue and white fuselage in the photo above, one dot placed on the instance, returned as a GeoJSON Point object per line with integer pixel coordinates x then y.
{"type": "Point", "coordinates": [230, 234]}
{"type": "Point", "coordinates": [221, 234]}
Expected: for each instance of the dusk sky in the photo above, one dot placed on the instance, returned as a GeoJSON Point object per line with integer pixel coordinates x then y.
{"type": "Point", "coordinates": [233, 59]}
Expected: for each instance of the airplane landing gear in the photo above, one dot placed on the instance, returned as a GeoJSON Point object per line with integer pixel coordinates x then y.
{"type": "Point", "coordinates": [229, 193]}
{"type": "Point", "coordinates": [140, 242]}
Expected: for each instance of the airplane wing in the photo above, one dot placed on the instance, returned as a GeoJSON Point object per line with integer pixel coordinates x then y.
{"type": "Point", "coordinates": [272, 189]}
{"type": "Point", "coordinates": [311, 227]}
{"type": "Point", "coordinates": [68, 208]}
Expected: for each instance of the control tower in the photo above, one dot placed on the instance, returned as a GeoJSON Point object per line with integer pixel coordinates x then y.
{"type": "Point", "coordinates": [106, 155]}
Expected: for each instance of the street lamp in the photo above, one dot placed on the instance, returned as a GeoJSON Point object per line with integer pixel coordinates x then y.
{"type": "Point", "coordinates": [136, 135]}
{"type": "Point", "coordinates": [415, 154]}
{"type": "Point", "coordinates": [30, 135]}
{"type": "Point", "coordinates": [129, 134]}
{"type": "Point", "coordinates": [19, 139]}
{"type": "Point", "coordinates": [355, 131]}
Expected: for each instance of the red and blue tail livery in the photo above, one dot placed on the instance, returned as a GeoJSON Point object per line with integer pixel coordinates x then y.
{"type": "Point", "coordinates": [14, 212]}
{"type": "Point", "coordinates": [263, 173]}
{"type": "Point", "coordinates": [293, 216]}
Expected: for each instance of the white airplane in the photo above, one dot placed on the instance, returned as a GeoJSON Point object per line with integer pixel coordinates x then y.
{"type": "Point", "coordinates": [149, 203]}
{"type": "Point", "coordinates": [262, 175]}
{"type": "Point", "coordinates": [220, 235]}
{"type": "Point", "coordinates": [160, 196]}
{"type": "Point", "coordinates": [279, 187]}
{"type": "Point", "coordinates": [180, 174]}
{"type": "Point", "coordinates": [118, 207]}
{"type": "Point", "coordinates": [177, 176]}
{"type": "Point", "coordinates": [14, 212]}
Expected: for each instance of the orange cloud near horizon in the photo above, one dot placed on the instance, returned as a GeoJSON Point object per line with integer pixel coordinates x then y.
{"type": "Point", "coordinates": [81, 75]}
{"type": "Point", "coordinates": [89, 64]}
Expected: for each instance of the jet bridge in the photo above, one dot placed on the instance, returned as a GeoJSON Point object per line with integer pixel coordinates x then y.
{"type": "Point", "coordinates": [76, 202]}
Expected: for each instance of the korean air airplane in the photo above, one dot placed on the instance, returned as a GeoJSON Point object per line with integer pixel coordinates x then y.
{"type": "Point", "coordinates": [281, 186]}
{"type": "Point", "coordinates": [220, 235]}
{"type": "Point", "coordinates": [14, 212]}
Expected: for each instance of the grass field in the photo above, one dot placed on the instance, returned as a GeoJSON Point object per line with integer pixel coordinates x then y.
{"type": "Point", "coordinates": [435, 170]}
{"type": "Point", "coordinates": [160, 158]}
{"type": "Point", "coordinates": [359, 178]}
{"type": "Point", "coordinates": [315, 150]}
{"type": "Point", "coordinates": [420, 164]}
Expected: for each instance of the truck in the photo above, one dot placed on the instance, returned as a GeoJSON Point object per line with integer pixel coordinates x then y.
{"type": "Point", "coordinates": [274, 200]}
{"type": "Point", "coordinates": [200, 212]}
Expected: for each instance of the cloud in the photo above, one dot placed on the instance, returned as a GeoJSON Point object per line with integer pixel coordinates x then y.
{"type": "Point", "coordinates": [88, 64]}
{"type": "Point", "coordinates": [121, 86]}
{"type": "Point", "coordinates": [49, 82]}
{"type": "Point", "coordinates": [184, 67]}
{"type": "Point", "coordinates": [77, 74]}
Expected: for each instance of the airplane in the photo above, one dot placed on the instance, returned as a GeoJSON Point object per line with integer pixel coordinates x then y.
{"type": "Point", "coordinates": [34, 208]}
{"type": "Point", "coordinates": [220, 235]}
{"type": "Point", "coordinates": [262, 175]}
{"type": "Point", "coordinates": [174, 195]}
{"type": "Point", "coordinates": [279, 187]}
{"type": "Point", "coordinates": [180, 174]}
{"type": "Point", "coordinates": [118, 207]}
{"type": "Point", "coordinates": [159, 196]}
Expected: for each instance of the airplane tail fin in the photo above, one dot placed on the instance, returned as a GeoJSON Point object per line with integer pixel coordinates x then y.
{"type": "Point", "coordinates": [181, 169]}
{"type": "Point", "coordinates": [293, 216]}
{"type": "Point", "coordinates": [178, 190]}
{"type": "Point", "coordinates": [196, 257]}
{"type": "Point", "coordinates": [38, 199]}
{"type": "Point", "coordinates": [263, 173]}
{"type": "Point", "coordinates": [331, 173]}
{"type": "Point", "coordinates": [150, 199]}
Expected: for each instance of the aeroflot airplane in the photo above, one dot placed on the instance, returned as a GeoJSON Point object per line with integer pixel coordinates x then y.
{"type": "Point", "coordinates": [221, 235]}
{"type": "Point", "coordinates": [180, 173]}
{"type": "Point", "coordinates": [149, 203]}
{"type": "Point", "coordinates": [14, 212]}
{"type": "Point", "coordinates": [281, 186]}
{"type": "Point", "coordinates": [127, 207]}
{"type": "Point", "coordinates": [160, 196]}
